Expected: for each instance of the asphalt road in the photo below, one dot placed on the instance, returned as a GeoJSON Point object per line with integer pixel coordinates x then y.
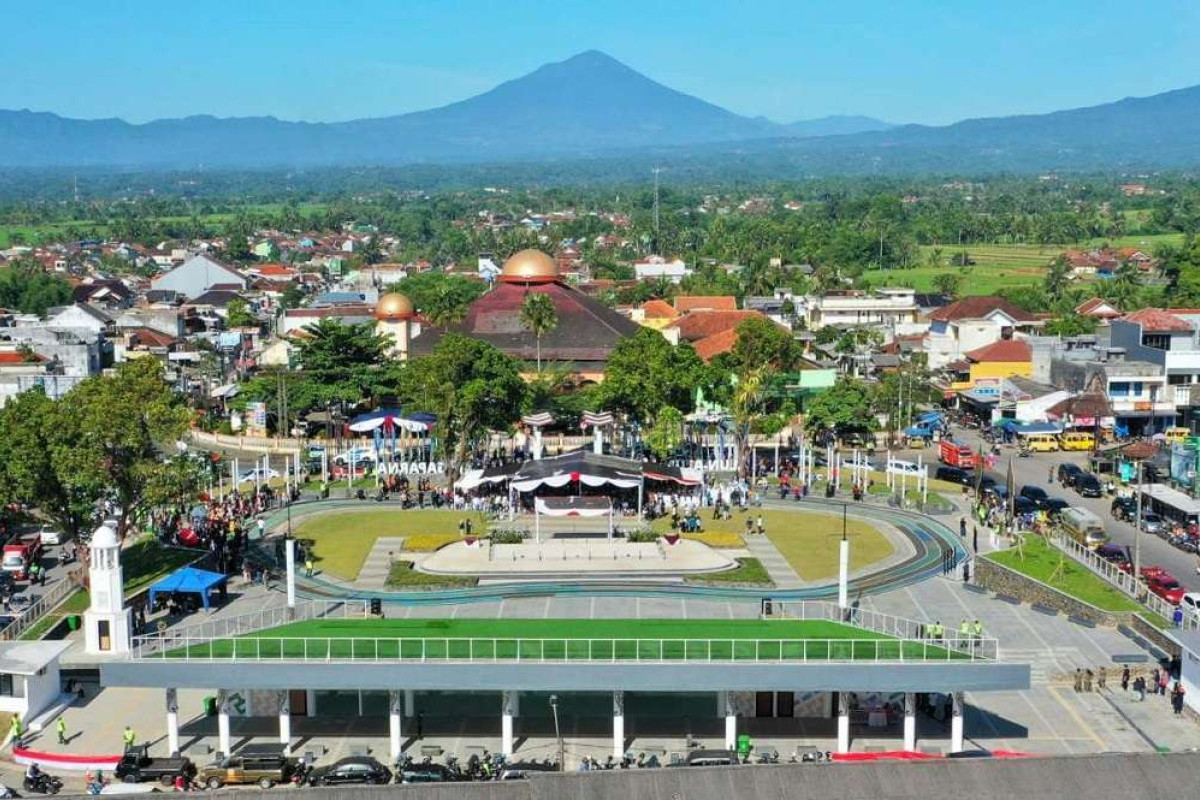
{"type": "Point", "coordinates": [1034, 470]}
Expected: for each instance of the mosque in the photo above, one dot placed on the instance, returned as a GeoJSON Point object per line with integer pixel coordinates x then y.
{"type": "Point", "coordinates": [586, 334]}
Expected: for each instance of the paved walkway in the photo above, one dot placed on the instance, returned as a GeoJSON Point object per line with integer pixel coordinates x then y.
{"type": "Point", "coordinates": [375, 568]}
{"type": "Point", "coordinates": [777, 566]}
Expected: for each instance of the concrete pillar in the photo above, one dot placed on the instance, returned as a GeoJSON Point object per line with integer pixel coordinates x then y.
{"type": "Point", "coordinates": [508, 710]}
{"type": "Point", "coordinates": [843, 723]}
{"type": "Point", "coordinates": [843, 573]}
{"type": "Point", "coordinates": [910, 721]}
{"type": "Point", "coordinates": [285, 719]}
{"type": "Point", "coordinates": [396, 706]}
{"type": "Point", "coordinates": [289, 551]}
{"type": "Point", "coordinates": [956, 722]}
{"type": "Point", "coordinates": [597, 440]}
{"type": "Point", "coordinates": [410, 703]}
{"type": "Point", "coordinates": [618, 725]}
{"type": "Point", "coordinates": [726, 702]}
{"type": "Point", "coordinates": [172, 721]}
{"type": "Point", "coordinates": [223, 720]}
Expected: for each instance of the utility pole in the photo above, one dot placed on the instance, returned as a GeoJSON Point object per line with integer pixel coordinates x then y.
{"type": "Point", "coordinates": [656, 170]}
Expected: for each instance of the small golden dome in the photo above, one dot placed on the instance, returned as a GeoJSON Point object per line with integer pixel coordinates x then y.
{"type": "Point", "coordinates": [529, 266]}
{"type": "Point", "coordinates": [393, 307]}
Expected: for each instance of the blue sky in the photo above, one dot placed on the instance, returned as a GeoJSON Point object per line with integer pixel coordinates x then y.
{"type": "Point", "coordinates": [934, 61]}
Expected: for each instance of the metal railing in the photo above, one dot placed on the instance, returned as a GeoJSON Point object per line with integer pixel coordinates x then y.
{"type": "Point", "coordinates": [51, 599]}
{"type": "Point", "coordinates": [1117, 578]}
{"type": "Point", "coordinates": [243, 624]}
{"type": "Point", "coordinates": [899, 627]}
{"type": "Point", "coordinates": [169, 647]}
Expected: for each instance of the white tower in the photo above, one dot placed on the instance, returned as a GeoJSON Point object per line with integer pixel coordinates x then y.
{"type": "Point", "coordinates": [107, 623]}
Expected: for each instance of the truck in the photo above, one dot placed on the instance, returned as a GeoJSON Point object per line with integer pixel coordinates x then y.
{"type": "Point", "coordinates": [137, 765]}
{"type": "Point", "coordinates": [957, 454]}
{"type": "Point", "coordinates": [20, 554]}
{"type": "Point", "coordinates": [1083, 526]}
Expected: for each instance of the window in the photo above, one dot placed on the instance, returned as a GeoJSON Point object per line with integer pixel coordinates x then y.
{"type": "Point", "coordinates": [7, 685]}
{"type": "Point", "coordinates": [1158, 341]}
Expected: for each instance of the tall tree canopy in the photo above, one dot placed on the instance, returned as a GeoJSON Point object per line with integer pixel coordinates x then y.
{"type": "Point", "coordinates": [646, 372]}
{"type": "Point", "coordinates": [441, 298]}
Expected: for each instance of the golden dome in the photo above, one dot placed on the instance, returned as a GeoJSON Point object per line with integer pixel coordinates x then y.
{"type": "Point", "coordinates": [529, 266]}
{"type": "Point", "coordinates": [393, 307]}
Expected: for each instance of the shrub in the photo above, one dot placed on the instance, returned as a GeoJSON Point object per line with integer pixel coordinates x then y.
{"type": "Point", "coordinates": [508, 537]}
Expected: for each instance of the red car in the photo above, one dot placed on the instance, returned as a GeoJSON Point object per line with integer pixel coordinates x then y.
{"type": "Point", "coordinates": [1168, 589]}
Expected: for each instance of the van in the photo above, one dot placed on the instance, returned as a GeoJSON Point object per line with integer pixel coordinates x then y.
{"type": "Point", "coordinates": [1177, 435]}
{"type": "Point", "coordinates": [1040, 442]}
{"type": "Point", "coordinates": [1083, 526]}
{"type": "Point", "coordinates": [1077, 440]}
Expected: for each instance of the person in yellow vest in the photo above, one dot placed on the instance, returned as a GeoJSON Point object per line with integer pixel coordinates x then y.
{"type": "Point", "coordinates": [61, 727]}
{"type": "Point", "coordinates": [16, 730]}
{"type": "Point", "coordinates": [978, 629]}
{"type": "Point", "coordinates": [128, 737]}
{"type": "Point", "coordinates": [308, 567]}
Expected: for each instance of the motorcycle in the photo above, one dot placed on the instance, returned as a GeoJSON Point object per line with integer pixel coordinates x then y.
{"type": "Point", "coordinates": [43, 784]}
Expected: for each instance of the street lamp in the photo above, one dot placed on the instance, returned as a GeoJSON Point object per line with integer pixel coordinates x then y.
{"type": "Point", "coordinates": [557, 731]}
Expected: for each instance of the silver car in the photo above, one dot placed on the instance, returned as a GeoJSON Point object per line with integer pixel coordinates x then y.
{"type": "Point", "coordinates": [1154, 524]}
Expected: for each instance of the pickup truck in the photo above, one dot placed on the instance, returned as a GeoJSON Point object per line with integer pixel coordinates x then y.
{"type": "Point", "coordinates": [137, 765]}
{"type": "Point", "coordinates": [20, 554]}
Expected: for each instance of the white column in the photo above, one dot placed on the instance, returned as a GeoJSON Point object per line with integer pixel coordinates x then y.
{"type": "Point", "coordinates": [172, 721]}
{"type": "Point", "coordinates": [289, 553]}
{"type": "Point", "coordinates": [843, 723]}
{"type": "Point", "coordinates": [223, 721]}
{"type": "Point", "coordinates": [597, 440]}
{"type": "Point", "coordinates": [843, 573]}
{"type": "Point", "coordinates": [410, 703]}
{"type": "Point", "coordinates": [285, 719]}
{"type": "Point", "coordinates": [537, 443]}
{"type": "Point", "coordinates": [726, 701]}
{"type": "Point", "coordinates": [395, 708]}
{"type": "Point", "coordinates": [508, 710]}
{"type": "Point", "coordinates": [910, 721]}
{"type": "Point", "coordinates": [956, 722]}
{"type": "Point", "coordinates": [618, 725]}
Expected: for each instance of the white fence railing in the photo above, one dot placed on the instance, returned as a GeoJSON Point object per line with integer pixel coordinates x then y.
{"type": "Point", "coordinates": [1118, 578]}
{"type": "Point", "coordinates": [244, 624]}
{"type": "Point", "coordinates": [575, 650]}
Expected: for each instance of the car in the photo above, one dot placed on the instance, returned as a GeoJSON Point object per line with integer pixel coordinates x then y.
{"type": "Point", "coordinates": [51, 536]}
{"type": "Point", "coordinates": [1088, 485]}
{"type": "Point", "coordinates": [1067, 473]}
{"type": "Point", "coordinates": [1167, 588]}
{"type": "Point", "coordinates": [954, 475]}
{"type": "Point", "coordinates": [1153, 523]}
{"type": "Point", "coordinates": [355, 769]}
{"type": "Point", "coordinates": [263, 764]}
{"type": "Point", "coordinates": [1036, 494]}
{"type": "Point", "coordinates": [257, 474]}
{"type": "Point", "coordinates": [137, 765]}
{"type": "Point", "coordinates": [987, 482]}
{"type": "Point", "coordinates": [425, 773]}
{"type": "Point", "coordinates": [1023, 505]}
{"type": "Point", "coordinates": [1124, 508]}
{"type": "Point", "coordinates": [1054, 506]}
{"type": "Point", "coordinates": [1116, 554]}
{"type": "Point", "coordinates": [1190, 603]}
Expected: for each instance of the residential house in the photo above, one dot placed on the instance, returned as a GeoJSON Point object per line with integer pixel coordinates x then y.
{"type": "Point", "coordinates": [1141, 400]}
{"type": "Point", "coordinates": [685, 304]}
{"type": "Point", "coordinates": [1098, 308]}
{"type": "Point", "coordinates": [984, 369]}
{"type": "Point", "coordinates": [107, 295]}
{"type": "Point", "coordinates": [199, 274]}
{"type": "Point", "coordinates": [657, 267]}
{"type": "Point", "coordinates": [1168, 338]}
{"type": "Point", "coordinates": [656, 314]}
{"type": "Point", "coordinates": [971, 323]}
{"type": "Point", "coordinates": [894, 310]}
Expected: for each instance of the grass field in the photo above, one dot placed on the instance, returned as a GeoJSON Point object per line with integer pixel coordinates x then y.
{"type": "Point", "coordinates": [569, 640]}
{"type": "Point", "coordinates": [403, 576]}
{"type": "Point", "coordinates": [749, 571]}
{"type": "Point", "coordinates": [341, 540]}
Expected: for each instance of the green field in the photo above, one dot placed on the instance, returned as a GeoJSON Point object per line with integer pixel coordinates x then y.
{"type": "Point", "coordinates": [568, 640]}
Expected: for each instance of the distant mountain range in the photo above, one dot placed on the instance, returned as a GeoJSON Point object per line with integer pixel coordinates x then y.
{"type": "Point", "coordinates": [592, 106]}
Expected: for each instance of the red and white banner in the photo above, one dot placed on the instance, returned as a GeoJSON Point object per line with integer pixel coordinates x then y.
{"type": "Point", "coordinates": [64, 761]}
{"type": "Point", "coordinates": [545, 509]}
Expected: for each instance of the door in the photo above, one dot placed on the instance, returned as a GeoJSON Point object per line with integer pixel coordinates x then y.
{"type": "Point", "coordinates": [764, 704]}
{"type": "Point", "coordinates": [785, 704]}
{"type": "Point", "coordinates": [298, 702]}
{"type": "Point", "coordinates": [104, 635]}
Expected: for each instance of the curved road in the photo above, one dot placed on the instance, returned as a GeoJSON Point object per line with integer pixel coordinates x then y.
{"type": "Point", "coordinates": [929, 537]}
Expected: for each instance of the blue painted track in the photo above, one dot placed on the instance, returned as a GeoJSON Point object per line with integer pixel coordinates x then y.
{"type": "Point", "coordinates": [930, 538]}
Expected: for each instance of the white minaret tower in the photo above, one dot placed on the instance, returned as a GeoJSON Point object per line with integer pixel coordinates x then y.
{"type": "Point", "coordinates": [107, 623]}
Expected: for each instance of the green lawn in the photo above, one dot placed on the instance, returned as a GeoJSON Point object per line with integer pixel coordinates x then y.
{"type": "Point", "coordinates": [1040, 560]}
{"type": "Point", "coordinates": [403, 576]}
{"type": "Point", "coordinates": [749, 571]}
{"type": "Point", "coordinates": [568, 639]}
{"type": "Point", "coordinates": [341, 539]}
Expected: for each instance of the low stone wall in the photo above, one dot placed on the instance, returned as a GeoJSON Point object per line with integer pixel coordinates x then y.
{"type": "Point", "coordinates": [1154, 635]}
{"type": "Point", "coordinates": [1002, 580]}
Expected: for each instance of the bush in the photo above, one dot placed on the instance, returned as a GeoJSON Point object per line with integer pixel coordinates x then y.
{"type": "Point", "coordinates": [508, 537]}
{"type": "Point", "coordinates": [642, 535]}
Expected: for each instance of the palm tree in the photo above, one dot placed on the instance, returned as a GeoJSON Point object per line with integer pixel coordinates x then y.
{"type": "Point", "coordinates": [539, 315]}
{"type": "Point", "coordinates": [1057, 277]}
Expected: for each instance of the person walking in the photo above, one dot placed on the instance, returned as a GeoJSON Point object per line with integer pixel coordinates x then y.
{"type": "Point", "coordinates": [1163, 680]}
{"type": "Point", "coordinates": [1153, 688]}
{"type": "Point", "coordinates": [60, 728]}
{"type": "Point", "coordinates": [1125, 678]}
{"type": "Point", "coordinates": [128, 738]}
{"type": "Point", "coordinates": [962, 528]}
{"type": "Point", "coordinates": [16, 730]}
{"type": "Point", "coordinates": [1177, 698]}
{"type": "Point", "coordinates": [762, 527]}
{"type": "Point", "coordinates": [1079, 680]}
{"type": "Point", "coordinates": [1050, 474]}
{"type": "Point", "coordinates": [1088, 675]}
{"type": "Point", "coordinates": [1102, 679]}
{"type": "Point", "coordinates": [308, 567]}
{"type": "Point", "coordinates": [1139, 686]}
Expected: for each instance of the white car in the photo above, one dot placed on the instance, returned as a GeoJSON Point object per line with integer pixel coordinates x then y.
{"type": "Point", "coordinates": [1191, 604]}
{"type": "Point", "coordinates": [258, 474]}
{"type": "Point", "coordinates": [51, 536]}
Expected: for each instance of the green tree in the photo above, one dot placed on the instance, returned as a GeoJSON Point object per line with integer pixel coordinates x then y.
{"type": "Point", "coordinates": [471, 386]}
{"type": "Point", "coordinates": [1057, 278]}
{"type": "Point", "coordinates": [646, 372]}
{"type": "Point", "coordinates": [1070, 324]}
{"type": "Point", "coordinates": [28, 288]}
{"type": "Point", "coordinates": [948, 284]}
{"type": "Point", "coordinates": [238, 314]}
{"type": "Point", "coordinates": [442, 299]}
{"type": "Point", "coordinates": [665, 436]}
{"type": "Point", "coordinates": [843, 408]}
{"type": "Point", "coordinates": [761, 342]}
{"type": "Point", "coordinates": [539, 316]}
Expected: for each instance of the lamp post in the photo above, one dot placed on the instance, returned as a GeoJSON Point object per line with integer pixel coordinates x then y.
{"type": "Point", "coordinates": [557, 731]}
{"type": "Point", "coordinates": [1138, 452]}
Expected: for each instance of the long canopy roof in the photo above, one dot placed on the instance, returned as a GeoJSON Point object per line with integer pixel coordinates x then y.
{"type": "Point", "coordinates": [582, 466]}
{"type": "Point", "coordinates": [188, 579]}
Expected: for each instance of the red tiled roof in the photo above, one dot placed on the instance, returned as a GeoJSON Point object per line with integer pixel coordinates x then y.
{"type": "Point", "coordinates": [718, 343]}
{"type": "Point", "coordinates": [1092, 308]}
{"type": "Point", "coordinates": [1002, 350]}
{"type": "Point", "coordinates": [725, 302]}
{"type": "Point", "coordinates": [702, 324]}
{"type": "Point", "coordinates": [148, 337]}
{"type": "Point", "coordinates": [659, 309]}
{"type": "Point", "coordinates": [1156, 320]}
{"type": "Point", "coordinates": [13, 357]}
{"type": "Point", "coordinates": [978, 307]}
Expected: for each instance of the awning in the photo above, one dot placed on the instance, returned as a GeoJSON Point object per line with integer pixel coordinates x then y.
{"type": "Point", "coordinates": [596, 419]}
{"type": "Point", "coordinates": [578, 466]}
{"type": "Point", "coordinates": [539, 420]}
{"type": "Point", "coordinates": [388, 418]}
{"type": "Point", "coordinates": [226, 391]}
{"type": "Point", "coordinates": [188, 580]}
{"type": "Point", "coordinates": [664, 472]}
{"type": "Point", "coordinates": [573, 506]}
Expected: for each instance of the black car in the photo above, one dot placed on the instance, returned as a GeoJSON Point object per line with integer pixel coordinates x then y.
{"type": "Point", "coordinates": [1068, 473]}
{"type": "Point", "coordinates": [987, 482]}
{"type": "Point", "coordinates": [954, 475]}
{"type": "Point", "coordinates": [1054, 506]}
{"type": "Point", "coordinates": [1125, 508]}
{"type": "Point", "coordinates": [1036, 494]}
{"type": "Point", "coordinates": [355, 769]}
{"type": "Point", "coordinates": [1023, 505]}
{"type": "Point", "coordinates": [1088, 485]}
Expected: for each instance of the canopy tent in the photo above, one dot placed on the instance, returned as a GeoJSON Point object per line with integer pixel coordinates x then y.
{"type": "Point", "coordinates": [571, 507]}
{"type": "Point", "coordinates": [188, 580]}
{"type": "Point", "coordinates": [389, 419]}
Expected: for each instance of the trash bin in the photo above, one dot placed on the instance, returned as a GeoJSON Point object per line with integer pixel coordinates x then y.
{"type": "Point", "coordinates": [73, 622]}
{"type": "Point", "coordinates": [210, 706]}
